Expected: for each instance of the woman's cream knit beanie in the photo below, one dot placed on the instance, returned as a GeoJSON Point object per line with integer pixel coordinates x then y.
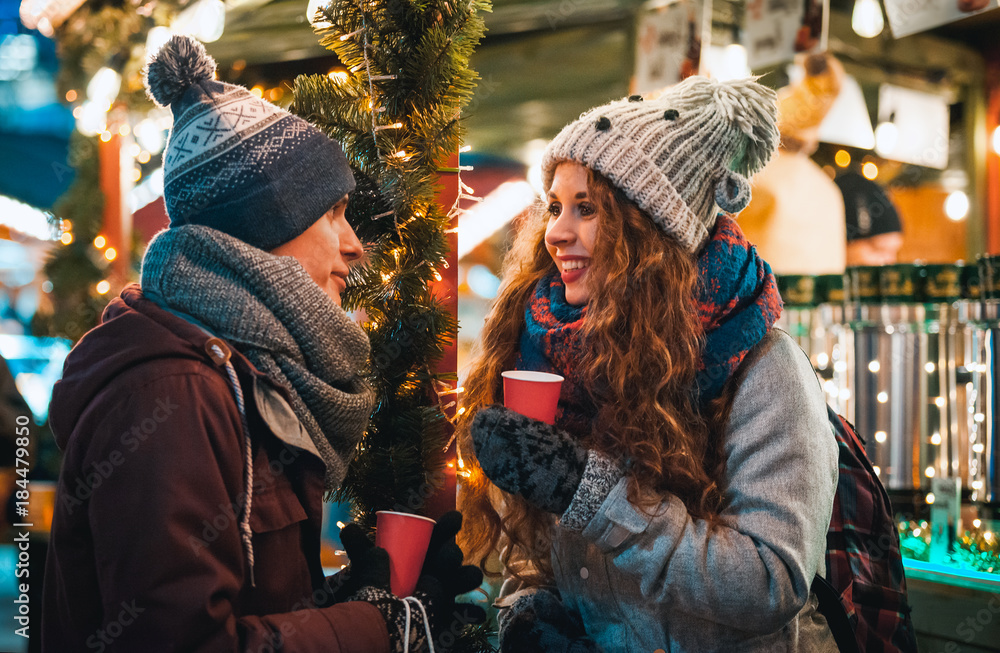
{"type": "Point", "coordinates": [680, 155]}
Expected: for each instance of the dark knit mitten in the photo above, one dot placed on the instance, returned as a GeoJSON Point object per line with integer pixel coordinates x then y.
{"type": "Point", "coordinates": [444, 577]}
{"type": "Point", "coordinates": [525, 456]}
{"type": "Point", "coordinates": [369, 565]}
{"type": "Point", "coordinates": [539, 622]}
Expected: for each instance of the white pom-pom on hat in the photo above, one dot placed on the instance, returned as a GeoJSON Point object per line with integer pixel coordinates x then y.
{"type": "Point", "coordinates": [748, 105]}
{"type": "Point", "coordinates": [181, 63]}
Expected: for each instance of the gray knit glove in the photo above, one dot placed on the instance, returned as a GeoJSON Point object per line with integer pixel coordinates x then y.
{"type": "Point", "coordinates": [543, 464]}
{"type": "Point", "coordinates": [540, 623]}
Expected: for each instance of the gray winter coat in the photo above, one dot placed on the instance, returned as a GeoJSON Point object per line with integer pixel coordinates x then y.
{"type": "Point", "coordinates": [665, 581]}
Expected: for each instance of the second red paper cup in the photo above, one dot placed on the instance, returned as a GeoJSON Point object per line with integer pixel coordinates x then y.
{"type": "Point", "coordinates": [405, 537]}
{"type": "Point", "coordinates": [533, 394]}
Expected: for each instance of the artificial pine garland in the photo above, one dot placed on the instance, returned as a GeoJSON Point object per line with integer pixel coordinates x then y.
{"type": "Point", "coordinates": [396, 113]}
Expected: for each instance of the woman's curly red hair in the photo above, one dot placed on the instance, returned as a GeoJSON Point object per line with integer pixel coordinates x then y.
{"type": "Point", "coordinates": [644, 344]}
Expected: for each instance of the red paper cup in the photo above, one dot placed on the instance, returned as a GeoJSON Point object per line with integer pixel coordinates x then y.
{"type": "Point", "coordinates": [405, 537]}
{"type": "Point", "coordinates": [533, 394]}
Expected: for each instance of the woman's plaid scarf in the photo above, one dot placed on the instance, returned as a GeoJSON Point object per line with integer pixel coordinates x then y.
{"type": "Point", "coordinates": [737, 303]}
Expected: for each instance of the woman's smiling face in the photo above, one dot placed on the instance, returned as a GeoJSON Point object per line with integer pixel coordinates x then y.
{"type": "Point", "coordinates": [571, 229]}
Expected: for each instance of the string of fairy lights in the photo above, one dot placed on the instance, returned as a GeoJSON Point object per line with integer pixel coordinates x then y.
{"type": "Point", "coordinates": [446, 392]}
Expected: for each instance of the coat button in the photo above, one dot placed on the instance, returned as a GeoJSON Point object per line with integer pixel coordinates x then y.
{"type": "Point", "coordinates": [584, 573]}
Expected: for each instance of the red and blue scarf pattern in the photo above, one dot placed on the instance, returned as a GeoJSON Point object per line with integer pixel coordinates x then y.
{"type": "Point", "coordinates": [737, 302]}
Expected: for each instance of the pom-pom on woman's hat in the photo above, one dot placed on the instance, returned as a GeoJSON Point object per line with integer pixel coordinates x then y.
{"type": "Point", "coordinates": [680, 155]}
{"type": "Point", "coordinates": [237, 163]}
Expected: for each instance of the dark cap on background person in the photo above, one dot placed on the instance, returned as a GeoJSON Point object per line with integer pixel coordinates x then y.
{"type": "Point", "coordinates": [868, 211]}
{"type": "Point", "coordinates": [236, 163]}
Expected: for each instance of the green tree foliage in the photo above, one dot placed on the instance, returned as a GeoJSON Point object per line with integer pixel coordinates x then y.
{"type": "Point", "coordinates": [396, 111]}
{"type": "Point", "coordinates": [397, 115]}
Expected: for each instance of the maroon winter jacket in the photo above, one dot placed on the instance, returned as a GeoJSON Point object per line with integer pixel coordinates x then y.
{"type": "Point", "coordinates": [145, 552]}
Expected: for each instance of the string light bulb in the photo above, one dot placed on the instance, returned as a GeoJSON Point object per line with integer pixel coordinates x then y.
{"type": "Point", "coordinates": [317, 21]}
{"type": "Point", "coordinates": [866, 19]}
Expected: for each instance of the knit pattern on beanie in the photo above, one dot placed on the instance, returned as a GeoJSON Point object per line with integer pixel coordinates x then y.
{"type": "Point", "coordinates": [680, 155]}
{"type": "Point", "coordinates": [235, 162]}
{"type": "Point", "coordinates": [272, 311]}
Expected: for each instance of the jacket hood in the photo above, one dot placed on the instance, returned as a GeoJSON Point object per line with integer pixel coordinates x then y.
{"type": "Point", "coordinates": [133, 331]}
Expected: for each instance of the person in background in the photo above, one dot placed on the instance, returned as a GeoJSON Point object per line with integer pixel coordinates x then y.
{"type": "Point", "coordinates": [796, 217]}
{"type": "Point", "coordinates": [682, 497]}
{"type": "Point", "coordinates": [204, 419]}
{"type": "Point", "coordinates": [874, 230]}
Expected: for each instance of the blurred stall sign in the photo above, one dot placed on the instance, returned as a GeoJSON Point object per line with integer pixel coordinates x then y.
{"type": "Point", "coordinates": [943, 283]}
{"type": "Point", "coordinates": [830, 289]}
{"type": "Point", "coordinates": [776, 30]}
{"type": "Point", "coordinates": [797, 289]}
{"type": "Point", "coordinates": [669, 39]}
{"type": "Point", "coordinates": [921, 122]}
{"type": "Point", "coordinates": [911, 16]}
{"type": "Point", "coordinates": [847, 122]}
{"type": "Point", "coordinates": [971, 281]}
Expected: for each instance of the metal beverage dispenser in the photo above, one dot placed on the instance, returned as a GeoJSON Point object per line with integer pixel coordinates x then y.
{"type": "Point", "coordinates": [946, 372]}
{"type": "Point", "coordinates": [798, 294]}
{"type": "Point", "coordinates": [983, 424]}
{"type": "Point", "coordinates": [831, 341]}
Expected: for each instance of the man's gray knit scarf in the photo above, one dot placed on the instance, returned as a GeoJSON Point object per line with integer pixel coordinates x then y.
{"type": "Point", "coordinates": [271, 310]}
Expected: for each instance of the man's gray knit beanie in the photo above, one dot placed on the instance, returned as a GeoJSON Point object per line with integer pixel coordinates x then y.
{"type": "Point", "coordinates": [679, 155]}
{"type": "Point", "coordinates": [236, 163]}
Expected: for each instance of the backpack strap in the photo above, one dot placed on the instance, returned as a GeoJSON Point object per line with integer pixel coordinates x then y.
{"type": "Point", "coordinates": [836, 617]}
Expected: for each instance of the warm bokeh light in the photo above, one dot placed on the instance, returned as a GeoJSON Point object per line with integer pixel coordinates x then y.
{"type": "Point", "coordinates": [143, 157]}
{"type": "Point", "coordinates": [100, 242]}
{"type": "Point", "coordinates": [136, 174]}
{"type": "Point", "coordinates": [956, 206]}
{"type": "Point", "coordinates": [842, 158]}
{"type": "Point", "coordinates": [66, 238]}
{"type": "Point", "coordinates": [70, 95]}
{"type": "Point", "coordinates": [125, 130]}
{"type": "Point", "coordinates": [106, 136]}
{"type": "Point", "coordinates": [869, 170]}
{"type": "Point", "coordinates": [110, 253]}
{"type": "Point", "coordinates": [103, 287]}
{"type": "Point", "coordinates": [257, 91]}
